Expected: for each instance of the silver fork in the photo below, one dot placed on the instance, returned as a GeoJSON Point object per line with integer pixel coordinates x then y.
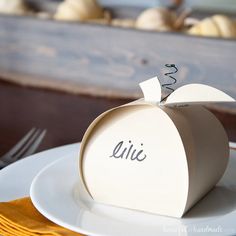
{"type": "Point", "coordinates": [25, 147]}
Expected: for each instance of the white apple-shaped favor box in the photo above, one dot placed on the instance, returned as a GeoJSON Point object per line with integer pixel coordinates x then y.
{"type": "Point", "coordinates": [157, 157]}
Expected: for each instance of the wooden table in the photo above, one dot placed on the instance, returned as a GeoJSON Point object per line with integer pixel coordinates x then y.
{"type": "Point", "coordinates": [65, 116]}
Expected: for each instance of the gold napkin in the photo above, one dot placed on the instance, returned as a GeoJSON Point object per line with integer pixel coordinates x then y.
{"type": "Point", "coordinates": [20, 218]}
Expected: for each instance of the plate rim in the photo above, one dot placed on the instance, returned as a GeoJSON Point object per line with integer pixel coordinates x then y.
{"type": "Point", "coordinates": [42, 211]}
{"type": "Point", "coordinates": [53, 218]}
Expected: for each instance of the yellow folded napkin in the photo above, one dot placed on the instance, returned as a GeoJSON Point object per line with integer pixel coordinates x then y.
{"type": "Point", "coordinates": [20, 218]}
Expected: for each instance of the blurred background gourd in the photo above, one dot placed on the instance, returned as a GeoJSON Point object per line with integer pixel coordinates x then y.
{"type": "Point", "coordinates": [215, 26]}
{"type": "Point", "coordinates": [160, 19]}
{"type": "Point", "coordinates": [15, 7]}
{"type": "Point", "coordinates": [81, 10]}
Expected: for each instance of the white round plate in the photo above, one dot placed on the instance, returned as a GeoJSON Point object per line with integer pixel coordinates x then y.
{"type": "Point", "coordinates": [15, 179]}
{"type": "Point", "coordinates": [55, 193]}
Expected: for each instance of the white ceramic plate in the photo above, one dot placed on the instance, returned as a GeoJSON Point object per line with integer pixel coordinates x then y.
{"type": "Point", "coordinates": [55, 193]}
{"type": "Point", "coordinates": [15, 179]}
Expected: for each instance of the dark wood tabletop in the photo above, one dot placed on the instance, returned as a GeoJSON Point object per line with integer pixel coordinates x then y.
{"type": "Point", "coordinates": [65, 116]}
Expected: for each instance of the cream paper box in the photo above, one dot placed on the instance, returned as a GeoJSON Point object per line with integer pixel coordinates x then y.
{"type": "Point", "coordinates": [156, 157]}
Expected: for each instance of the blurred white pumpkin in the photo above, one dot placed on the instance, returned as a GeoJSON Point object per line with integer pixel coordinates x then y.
{"type": "Point", "coordinates": [160, 19]}
{"type": "Point", "coordinates": [78, 10]}
{"type": "Point", "coordinates": [215, 26]}
{"type": "Point", "coordinates": [17, 7]}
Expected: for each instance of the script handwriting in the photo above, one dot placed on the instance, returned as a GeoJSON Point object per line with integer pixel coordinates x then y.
{"type": "Point", "coordinates": [123, 151]}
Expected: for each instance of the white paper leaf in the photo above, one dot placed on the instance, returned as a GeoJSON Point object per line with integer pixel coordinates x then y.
{"type": "Point", "coordinates": [151, 89]}
{"type": "Point", "coordinates": [197, 93]}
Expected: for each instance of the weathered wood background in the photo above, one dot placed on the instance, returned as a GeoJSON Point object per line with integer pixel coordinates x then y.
{"type": "Point", "coordinates": [106, 61]}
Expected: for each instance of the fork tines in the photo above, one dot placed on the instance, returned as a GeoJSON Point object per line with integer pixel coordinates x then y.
{"type": "Point", "coordinates": [25, 147]}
